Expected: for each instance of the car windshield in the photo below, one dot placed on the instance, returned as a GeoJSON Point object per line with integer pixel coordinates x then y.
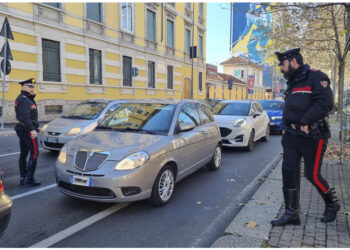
{"type": "Point", "coordinates": [269, 105]}
{"type": "Point", "coordinates": [232, 108]}
{"type": "Point", "coordinates": [86, 110]}
{"type": "Point", "coordinates": [140, 118]}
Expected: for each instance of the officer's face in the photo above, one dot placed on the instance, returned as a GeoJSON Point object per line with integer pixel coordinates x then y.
{"type": "Point", "coordinates": [288, 67]}
{"type": "Point", "coordinates": [30, 90]}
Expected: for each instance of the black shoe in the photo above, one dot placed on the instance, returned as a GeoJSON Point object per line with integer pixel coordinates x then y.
{"type": "Point", "coordinates": [332, 206]}
{"type": "Point", "coordinates": [30, 182]}
{"type": "Point", "coordinates": [291, 214]}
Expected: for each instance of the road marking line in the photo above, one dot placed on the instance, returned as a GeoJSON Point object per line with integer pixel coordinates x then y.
{"type": "Point", "coordinates": [78, 227]}
{"type": "Point", "coordinates": [15, 197]}
{"type": "Point", "coordinates": [15, 153]}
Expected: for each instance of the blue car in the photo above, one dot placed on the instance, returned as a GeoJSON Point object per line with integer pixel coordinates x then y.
{"type": "Point", "coordinates": [274, 109]}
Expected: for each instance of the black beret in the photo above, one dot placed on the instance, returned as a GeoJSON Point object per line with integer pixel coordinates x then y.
{"type": "Point", "coordinates": [30, 82]}
{"type": "Point", "coordinates": [288, 54]}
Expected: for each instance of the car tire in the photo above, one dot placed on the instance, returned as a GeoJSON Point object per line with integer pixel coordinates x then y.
{"type": "Point", "coordinates": [215, 162]}
{"type": "Point", "coordinates": [267, 134]}
{"type": "Point", "coordinates": [165, 178]}
{"type": "Point", "coordinates": [250, 145]}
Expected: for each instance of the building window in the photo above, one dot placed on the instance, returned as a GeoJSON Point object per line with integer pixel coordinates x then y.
{"type": "Point", "coordinates": [93, 11]}
{"type": "Point", "coordinates": [55, 5]}
{"type": "Point", "coordinates": [151, 75]}
{"type": "Point", "coordinates": [200, 46]}
{"type": "Point", "coordinates": [151, 26]}
{"type": "Point", "coordinates": [188, 6]}
{"type": "Point", "coordinates": [201, 10]}
{"type": "Point", "coordinates": [127, 65]}
{"type": "Point", "coordinates": [95, 65]}
{"type": "Point", "coordinates": [200, 84]}
{"type": "Point", "coordinates": [53, 109]}
{"type": "Point", "coordinates": [242, 73]}
{"type": "Point", "coordinates": [187, 40]}
{"type": "Point", "coordinates": [170, 83]}
{"type": "Point", "coordinates": [127, 17]}
{"type": "Point", "coordinates": [170, 34]}
{"type": "Point", "coordinates": [51, 61]}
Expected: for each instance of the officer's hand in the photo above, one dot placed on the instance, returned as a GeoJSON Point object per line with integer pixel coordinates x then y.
{"type": "Point", "coordinates": [305, 129]}
{"type": "Point", "coordinates": [33, 134]}
{"type": "Point", "coordinates": [283, 131]}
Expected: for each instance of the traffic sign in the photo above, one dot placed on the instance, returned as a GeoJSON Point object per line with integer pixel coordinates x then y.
{"type": "Point", "coordinates": [134, 72]}
{"type": "Point", "coordinates": [6, 30]}
{"type": "Point", "coordinates": [8, 52]}
{"type": "Point", "coordinates": [8, 66]}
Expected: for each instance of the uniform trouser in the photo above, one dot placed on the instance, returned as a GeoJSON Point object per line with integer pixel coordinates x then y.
{"type": "Point", "coordinates": [27, 145]}
{"type": "Point", "coordinates": [312, 150]}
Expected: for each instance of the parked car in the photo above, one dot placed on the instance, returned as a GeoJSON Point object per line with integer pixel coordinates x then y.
{"type": "Point", "coordinates": [241, 123]}
{"type": "Point", "coordinates": [213, 102]}
{"type": "Point", "coordinates": [81, 119]}
{"type": "Point", "coordinates": [5, 207]}
{"type": "Point", "coordinates": [140, 151]}
{"type": "Point", "coordinates": [274, 109]}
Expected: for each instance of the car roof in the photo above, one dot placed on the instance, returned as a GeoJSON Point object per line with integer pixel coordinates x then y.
{"type": "Point", "coordinates": [238, 101]}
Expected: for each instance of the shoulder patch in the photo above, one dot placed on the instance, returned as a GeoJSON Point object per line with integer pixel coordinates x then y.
{"type": "Point", "coordinates": [324, 84]}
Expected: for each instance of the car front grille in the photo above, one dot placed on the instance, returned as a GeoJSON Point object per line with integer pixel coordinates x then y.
{"type": "Point", "coordinates": [93, 192]}
{"type": "Point", "coordinates": [89, 161]}
{"type": "Point", "coordinates": [54, 133]}
{"type": "Point", "coordinates": [225, 131]}
{"type": "Point", "coordinates": [53, 145]}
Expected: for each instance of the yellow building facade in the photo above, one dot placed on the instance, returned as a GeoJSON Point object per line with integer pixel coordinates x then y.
{"type": "Point", "coordinates": [80, 51]}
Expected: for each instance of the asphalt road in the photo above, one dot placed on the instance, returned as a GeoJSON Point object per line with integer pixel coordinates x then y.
{"type": "Point", "coordinates": [49, 218]}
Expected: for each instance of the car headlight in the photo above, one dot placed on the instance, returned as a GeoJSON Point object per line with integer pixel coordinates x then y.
{"type": "Point", "coordinates": [276, 118]}
{"type": "Point", "coordinates": [240, 123]}
{"type": "Point", "coordinates": [73, 131]}
{"type": "Point", "coordinates": [42, 130]}
{"type": "Point", "coordinates": [62, 157]}
{"type": "Point", "coordinates": [133, 161]}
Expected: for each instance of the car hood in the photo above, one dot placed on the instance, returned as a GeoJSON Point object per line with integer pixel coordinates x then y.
{"type": "Point", "coordinates": [118, 144]}
{"type": "Point", "coordinates": [63, 125]}
{"type": "Point", "coordinates": [274, 112]}
{"type": "Point", "coordinates": [228, 118]}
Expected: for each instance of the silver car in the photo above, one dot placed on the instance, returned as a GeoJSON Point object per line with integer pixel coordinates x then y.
{"type": "Point", "coordinates": [81, 119]}
{"type": "Point", "coordinates": [140, 151]}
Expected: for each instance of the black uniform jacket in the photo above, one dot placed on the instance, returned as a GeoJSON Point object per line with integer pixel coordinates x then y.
{"type": "Point", "coordinates": [308, 99]}
{"type": "Point", "coordinates": [26, 112]}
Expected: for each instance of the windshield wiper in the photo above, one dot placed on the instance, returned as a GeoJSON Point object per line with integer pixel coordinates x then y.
{"type": "Point", "coordinates": [103, 127]}
{"type": "Point", "coordinates": [76, 117]}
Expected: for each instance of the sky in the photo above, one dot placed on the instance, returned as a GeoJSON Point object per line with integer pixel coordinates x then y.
{"type": "Point", "coordinates": [218, 33]}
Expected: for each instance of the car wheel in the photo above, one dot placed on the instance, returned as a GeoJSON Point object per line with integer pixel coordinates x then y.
{"type": "Point", "coordinates": [250, 145]}
{"type": "Point", "coordinates": [215, 162]}
{"type": "Point", "coordinates": [267, 134]}
{"type": "Point", "coordinates": [163, 187]}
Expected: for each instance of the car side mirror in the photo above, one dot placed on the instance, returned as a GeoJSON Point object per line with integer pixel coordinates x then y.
{"type": "Point", "coordinates": [186, 126]}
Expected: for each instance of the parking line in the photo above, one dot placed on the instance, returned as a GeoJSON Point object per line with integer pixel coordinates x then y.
{"type": "Point", "coordinates": [15, 153]}
{"type": "Point", "coordinates": [15, 197]}
{"type": "Point", "coordinates": [78, 227]}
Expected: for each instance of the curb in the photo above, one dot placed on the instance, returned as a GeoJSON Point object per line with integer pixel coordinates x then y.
{"type": "Point", "coordinates": [214, 231]}
{"type": "Point", "coordinates": [7, 132]}
{"type": "Point", "coordinates": [258, 212]}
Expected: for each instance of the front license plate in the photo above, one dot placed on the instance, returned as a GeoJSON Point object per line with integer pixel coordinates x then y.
{"type": "Point", "coordinates": [272, 123]}
{"type": "Point", "coordinates": [50, 139]}
{"type": "Point", "coordinates": [81, 181]}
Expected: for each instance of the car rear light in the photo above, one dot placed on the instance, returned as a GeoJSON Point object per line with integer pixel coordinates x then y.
{"type": "Point", "coordinates": [1, 187]}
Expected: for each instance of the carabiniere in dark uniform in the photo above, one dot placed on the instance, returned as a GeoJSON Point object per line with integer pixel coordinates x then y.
{"type": "Point", "coordinates": [308, 101]}
{"type": "Point", "coordinates": [27, 129]}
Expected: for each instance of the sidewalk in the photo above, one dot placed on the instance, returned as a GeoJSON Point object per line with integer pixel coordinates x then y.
{"type": "Point", "coordinates": [252, 227]}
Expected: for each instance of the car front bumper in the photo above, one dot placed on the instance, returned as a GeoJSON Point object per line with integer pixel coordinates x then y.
{"type": "Point", "coordinates": [234, 137]}
{"type": "Point", "coordinates": [54, 142]}
{"type": "Point", "coordinates": [107, 184]}
{"type": "Point", "coordinates": [276, 125]}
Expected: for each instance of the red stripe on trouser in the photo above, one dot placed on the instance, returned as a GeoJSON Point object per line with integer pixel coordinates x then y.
{"type": "Point", "coordinates": [35, 148]}
{"type": "Point", "coordinates": [317, 165]}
